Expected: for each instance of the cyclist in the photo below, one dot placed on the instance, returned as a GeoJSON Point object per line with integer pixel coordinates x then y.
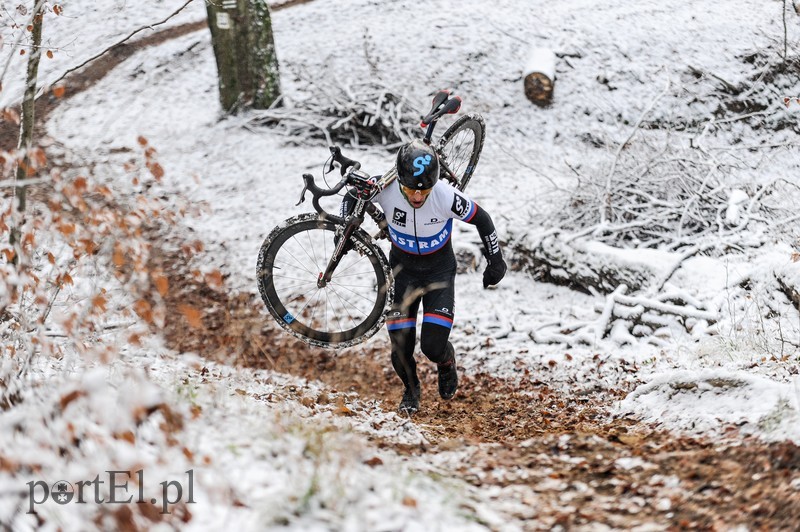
{"type": "Point", "coordinates": [419, 208]}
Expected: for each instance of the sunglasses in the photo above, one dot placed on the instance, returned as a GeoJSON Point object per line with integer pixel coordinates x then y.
{"type": "Point", "coordinates": [425, 192]}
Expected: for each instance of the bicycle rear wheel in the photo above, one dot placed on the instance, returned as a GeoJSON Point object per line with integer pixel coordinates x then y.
{"type": "Point", "coordinates": [460, 148]}
{"type": "Point", "coordinates": [349, 309]}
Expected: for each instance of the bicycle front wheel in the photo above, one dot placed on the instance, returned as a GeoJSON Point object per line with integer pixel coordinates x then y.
{"type": "Point", "coordinates": [347, 310]}
{"type": "Point", "coordinates": [460, 148]}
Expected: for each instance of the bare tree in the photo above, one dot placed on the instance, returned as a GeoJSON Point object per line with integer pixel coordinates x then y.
{"type": "Point", "coordinates": [25, 144]}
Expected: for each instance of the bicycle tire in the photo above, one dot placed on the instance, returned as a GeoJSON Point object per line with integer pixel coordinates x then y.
{"type": "Point", "coordinates": [362, 307]}
{"type": "Point", "coordinates": [461, 146]}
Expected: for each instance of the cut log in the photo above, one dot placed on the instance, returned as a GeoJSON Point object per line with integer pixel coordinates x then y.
{"type": "Point", "coordinates": [540, 76]}
{"type": "Point", "coordinates": [590, 266]}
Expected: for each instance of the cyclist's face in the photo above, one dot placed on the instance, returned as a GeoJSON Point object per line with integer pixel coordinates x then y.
{"type": "Point", "coordinates": [415, 197]}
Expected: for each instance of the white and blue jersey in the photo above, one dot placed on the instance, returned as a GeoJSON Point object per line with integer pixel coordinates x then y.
{"type": "Point", "coordinates": [427, 229]}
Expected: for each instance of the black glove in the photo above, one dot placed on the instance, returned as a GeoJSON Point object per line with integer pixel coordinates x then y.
{"type": "Point", "coordinates": [494, 272]}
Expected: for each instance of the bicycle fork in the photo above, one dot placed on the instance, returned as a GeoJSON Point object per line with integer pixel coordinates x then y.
{"type": "Point", "coordinates": [339, 252]}
{"type": "Point", "coordinates": [352, 222]}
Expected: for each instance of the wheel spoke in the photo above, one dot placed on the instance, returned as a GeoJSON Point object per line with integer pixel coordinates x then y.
{"type": "Point", "coordinates": [354, 262]}
{"type": "Point", "coordinates": [313, 249]}
{"type": "Point", "coordinates": [344, 306]}
{"type": "Point", "coordinates": [296, 260]}
{"type": "Point", "coordinates": [295, 278]}
{"type": "Point", "coordinates": [298, 296]}
{"type": "Point", "coordinates": [462, 144]}
{"type": "Point", "coordinates": [292, 288]}
{"type": "Point", "coordinates": [336, 315]}
{"type": "Point", "coordinates": [314, 308]}
{"type": "Point", "coordinates": [348, 286]}
{"type": "Point", "coordinates": [337, 276]}
{"type": "Point", "coordinates": [305, 250]}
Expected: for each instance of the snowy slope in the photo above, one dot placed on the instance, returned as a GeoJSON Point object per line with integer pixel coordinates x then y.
{"type": "Point", "coordinates": [610, 70]}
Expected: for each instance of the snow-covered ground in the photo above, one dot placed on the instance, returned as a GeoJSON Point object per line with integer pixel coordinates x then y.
{"type": "Point", "coordinates": [264, 449]}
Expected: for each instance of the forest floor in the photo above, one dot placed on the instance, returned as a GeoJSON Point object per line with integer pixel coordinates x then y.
{"type": "Point", "coordinates": [562, 453]}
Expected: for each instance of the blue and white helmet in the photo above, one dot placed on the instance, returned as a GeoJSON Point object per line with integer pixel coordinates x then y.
{"type": "Point", "coordinates": [417, 165]}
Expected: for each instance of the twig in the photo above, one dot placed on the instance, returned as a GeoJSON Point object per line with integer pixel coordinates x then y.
{"type": "Point", "coordinates": [694, 250]}
{"type": "Point", "coordinates": [608, 309]}
{"type": "Point", "coordinates": [729, 86]}
{"type": "Point", "coordinates": [666, 308]}
{"type": "Point", "coordinates": [785, 33]}
{"type": "Point", "coordinates": [19, 37]}
{"type": "Point", "coordinates": [102, 53]}
{"type": "Point", "coordinates": [22, 183]}
{"type": "Point", "coordinates": [536, 171]}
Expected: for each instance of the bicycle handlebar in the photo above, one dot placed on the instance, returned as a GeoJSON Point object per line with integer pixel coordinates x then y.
{"type": "Point", "coordinates": [351, 175]}
{"type": "Point", "coordinates": [318, 193]}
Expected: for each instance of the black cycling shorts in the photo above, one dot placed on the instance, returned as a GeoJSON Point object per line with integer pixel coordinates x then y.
{"type": "Point", "coordinates": [435, 290]}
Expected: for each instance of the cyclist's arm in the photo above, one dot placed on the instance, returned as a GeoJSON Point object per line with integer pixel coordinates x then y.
{"type": "Point", "coordinates": [485, 226]}
{"type": "Point", "coordinates": [496, 268]}
{"type": "Point", "coordinates": [458, 205]}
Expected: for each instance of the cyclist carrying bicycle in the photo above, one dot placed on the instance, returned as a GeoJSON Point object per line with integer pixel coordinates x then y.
{"type": "Point", "coordinates": [420, 209]}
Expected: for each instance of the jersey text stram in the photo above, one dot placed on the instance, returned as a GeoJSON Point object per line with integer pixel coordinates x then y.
{"type": "Point", "coordinates": [421, 244]}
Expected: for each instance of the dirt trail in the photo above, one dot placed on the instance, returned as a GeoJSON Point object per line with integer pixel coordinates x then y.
{"type": "Point", "coordinates": [573, 465]}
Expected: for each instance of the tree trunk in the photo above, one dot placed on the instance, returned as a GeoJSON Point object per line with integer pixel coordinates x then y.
{"type": "Point", "coordinates": [590, 266]}
{"type": "Point", "coordinates": [25, 144]}
{"type": "Point", "coordinates": [241, 32]}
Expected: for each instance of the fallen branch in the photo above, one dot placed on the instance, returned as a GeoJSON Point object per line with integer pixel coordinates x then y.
{"type": "Point", "coordinates": [624, 318]}
{"type": "Point", "coordinates": [789, 287]}
{"type": "Point", "coordinates": [365, 114]}
{"type": "Point", "coordinates": [691, 252]}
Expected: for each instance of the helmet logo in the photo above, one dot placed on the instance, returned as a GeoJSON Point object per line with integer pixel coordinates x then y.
{"type": "Point", "coordinates": [420, 163]}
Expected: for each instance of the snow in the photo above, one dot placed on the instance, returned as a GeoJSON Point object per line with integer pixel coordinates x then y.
{"type": "Point", "coordinates": [735, 198]}
{"type": "Point", "coordinates": [703, 401]}
{"type": "Point", "coordinates": [272, 460]}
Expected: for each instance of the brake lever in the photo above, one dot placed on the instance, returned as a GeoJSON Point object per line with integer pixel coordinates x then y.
{"type": "Point", "coordinates": [305, 188]}
{"type": "Point", "coordinates": [335, 152]}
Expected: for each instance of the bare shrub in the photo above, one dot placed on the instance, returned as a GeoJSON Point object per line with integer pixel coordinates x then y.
{"type": "Point", "coordinates": [665, 194]}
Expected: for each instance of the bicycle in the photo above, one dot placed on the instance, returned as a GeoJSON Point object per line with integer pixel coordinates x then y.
{"type": "Point", "coordinates": [322, 277]}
